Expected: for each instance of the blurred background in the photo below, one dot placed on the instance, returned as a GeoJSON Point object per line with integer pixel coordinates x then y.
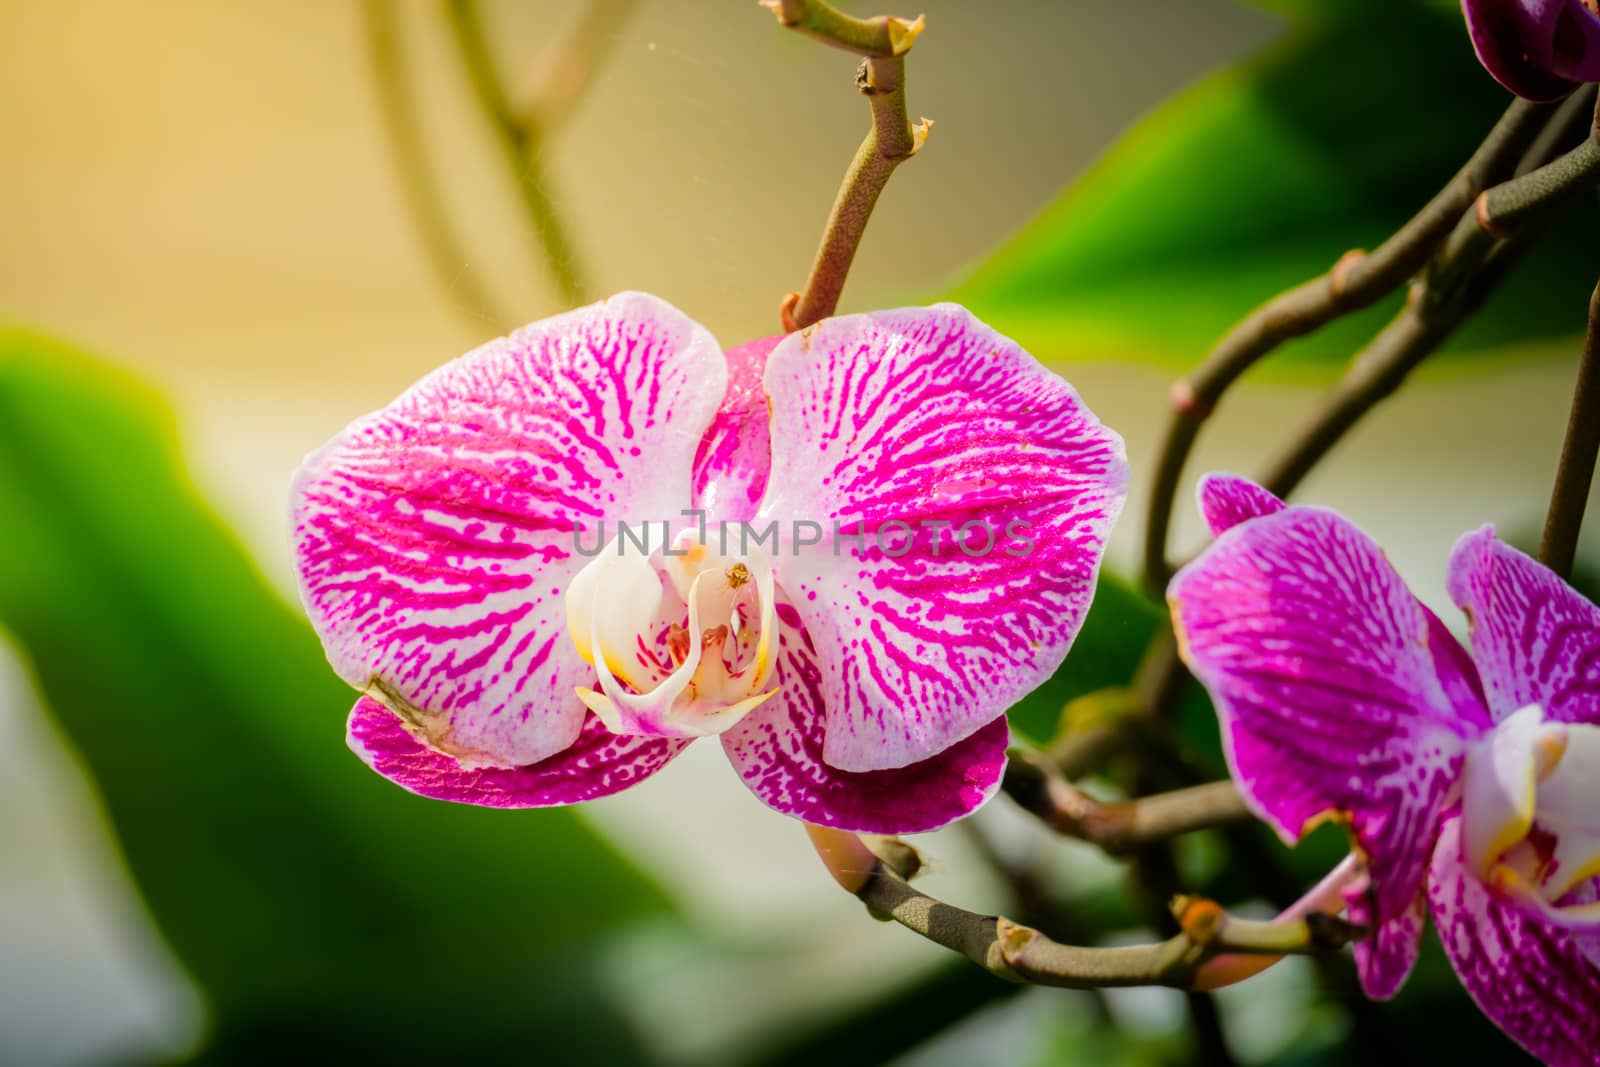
{"type": "Point", "coordinates": [211, 264]}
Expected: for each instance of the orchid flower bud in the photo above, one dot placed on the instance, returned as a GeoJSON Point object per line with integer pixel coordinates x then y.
{"type": "Point", "coordinates": [1539, 49]}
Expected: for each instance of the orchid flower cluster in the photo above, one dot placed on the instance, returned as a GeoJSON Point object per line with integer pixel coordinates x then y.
{"type": "Point", "coordinates": [956, 498]}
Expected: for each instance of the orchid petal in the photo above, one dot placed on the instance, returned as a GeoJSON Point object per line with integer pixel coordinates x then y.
{"type": "Point", "coordinates": [1588, 940]}
{"type": "Point", "coordinates": [1318, 658]}
{"type": "Point", "coordinates": [609, 603]}
{"type": "Point", "coordinates": [923, 417]}
{"type": "Point", "coordinates": [1498, 783]}
{"type": "Point", "coordinates": [1457, 673]}
{"type": "Point", "coordinates": [1385, 957]}
{"type": "Point", "coordinates": [735, 456]}
{"type": "Point", "coordinates": [435, 537]}
{"type": "Point", "coordinates": [598, 764]}
{"type": "Point", "coordinates": [1535, 639]}
{"type": "Point", "coordinates": [778, 751]}
{"type": "Point", "coordinates": [1539, 49]}
{"type": "Point", "coordinates": [1226, 500]}
{"type": "Point", "coordinates": [1531, 979]}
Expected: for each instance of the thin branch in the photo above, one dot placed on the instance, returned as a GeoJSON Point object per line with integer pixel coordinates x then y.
{"type": "Point", "coordinates": [1356, 281]}
{"type": "Point", "coordinates": [1117, 827]}
{"type": "Point", "coordinates": [565, 72]}
{"type": "Point", "coordinates": [1568, 126]}
{"type": "Point", "coordinates": [1020, 953]}
{"type": "Point", "coordinates": [418, 182]}
{"type": "Point", "coordinates": [891, 140]}
{"type": "Point", "coordinates": [1476, 257]}
{"type": "Point", "coordinates": [522, 145]}
{"type": "Point", "coordinates": [1466, 269]}
{"type": "Point", "coordinates": [1575, 474]}
{"type": "Point", "coordinates": [883, 36]}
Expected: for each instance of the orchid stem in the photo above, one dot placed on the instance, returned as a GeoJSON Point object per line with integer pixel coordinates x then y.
{"type": "Point", "coordinates": [1020, 953]}
{"type": "Point", "coordinates": [1575, 474]}
{"type": "Point", "coordinates": [882, 36]}
{"type": "Point", "coordinates": [1465, 270]}
{"type": "Point", "coordinates": [419, 183]}
{"type": "Point", "coordinates": [521, 142]}
{"type": "Point", "coordinates": [892, 139]}
{"type": "Point", "coordinates": [1117, 827]}
{"type": "Point", "coordinates": [1480, 251]}
{"type": "Point", "coordinates": [1356, 281]}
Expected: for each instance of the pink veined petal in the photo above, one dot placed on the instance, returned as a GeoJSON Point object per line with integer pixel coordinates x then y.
{"type": "Point", "coordinates": [1535, 639]}
{"type": "Point", "coordinates": [777, 750]}
{"type": "Point", "coordinates": [735, 456]}
{"type": "Point", "coordinates": [598, 764]}
{"type": "Point", "coordinates": [889, 421]}
{"type": "Point", "coordinates": [435, 537]}
{"type": "Point", "coordinates": [1539, 49]}
{"type": "Point", "coordinates": [1457, 673]}
{"type": "Point", "coordinates": [1385, 957]}
{"type": "Point", "coordinates": [1588, 940]}
{"type": "Point", "coordinates": [1226, 500]}
{"type": "Point", "coordinates": [1317, 656]}
{"type": "Point", "coordinates": [1531, 979]}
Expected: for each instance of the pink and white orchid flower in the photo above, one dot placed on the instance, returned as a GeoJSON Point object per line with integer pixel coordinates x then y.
{"type": "Point", "coordinates": [1468, 782]}
{"type": "Point", "coordinates": [445, 551]}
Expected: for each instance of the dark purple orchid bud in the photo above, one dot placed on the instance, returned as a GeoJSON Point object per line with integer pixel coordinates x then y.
{"type": "Point", "coordinates": [1539, 49]}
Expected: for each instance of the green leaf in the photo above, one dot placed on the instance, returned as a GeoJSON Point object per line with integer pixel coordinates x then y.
{"type": "Point", "coordinates": [311, 900]}
{"type": "Point", "coordinates": [1119, 625]}
{"type": "Point", "coordinates": [1261, 177]}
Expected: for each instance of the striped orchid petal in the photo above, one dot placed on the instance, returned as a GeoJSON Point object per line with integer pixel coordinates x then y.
{"type": "Point", "coordinates": [1226, 500]}
{"type": "Point", "coordinates": [1534, 980]}
{"type": "Point", "coordinates": [1385, 957]}
{"type": "Point", "coordinates": [1331, 700]}
{"type": "Point", "coordinates": [435, 537]}
{"type": "Point", "coordinates": [735, 456]}
{"type": "Point", "coordinates": [973, 493]}
{"type": "Point", "coordinates": [778, 752]}
{"type": "Point", "coordinates": [1536, 640]}
{"type": "Point", "coordinates": [597, 764]}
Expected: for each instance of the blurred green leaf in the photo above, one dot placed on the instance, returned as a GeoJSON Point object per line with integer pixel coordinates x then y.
{"type": "Point", "coordinates": [313, 901]}
{"type": "Point", "coordinates": [1119, 625]}
{"type": "Point", "coordinates": [1260, 177]}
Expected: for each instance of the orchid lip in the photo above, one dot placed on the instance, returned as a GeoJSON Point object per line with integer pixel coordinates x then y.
{"type": "Point", "coordinates": [1531, 813]}
{"type": "Point", "coordinates": [681, 641]}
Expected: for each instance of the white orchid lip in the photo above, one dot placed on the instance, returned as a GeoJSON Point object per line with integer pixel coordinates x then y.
{"type": "Point", "coordinates": [681, 640]}
{"type": "Point", "coordinates": [1531, 813]}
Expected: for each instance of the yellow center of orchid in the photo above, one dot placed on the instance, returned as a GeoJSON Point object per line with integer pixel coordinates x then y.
{"type": "Point", "coordinates": [681, 639]}
{"type": "Point", "coordinates": [1531, 812]}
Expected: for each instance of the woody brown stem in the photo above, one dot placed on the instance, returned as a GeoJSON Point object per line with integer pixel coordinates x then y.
{"type": "Point", "coordinates": [892, 139]}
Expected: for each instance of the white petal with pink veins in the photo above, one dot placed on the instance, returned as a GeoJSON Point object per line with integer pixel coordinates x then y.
{"type": "Point", "coordinates": [435, 537]}
{"type": "Point", "coordinates": [926, 431]}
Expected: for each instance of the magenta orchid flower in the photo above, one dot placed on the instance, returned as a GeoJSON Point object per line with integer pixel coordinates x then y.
{"type": "Point", "coordinates": [1471, 782]}
{"type": "Point", "coordinates": [461, 557]}
{"type": "Point", "coordinates": [1539, 49]}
